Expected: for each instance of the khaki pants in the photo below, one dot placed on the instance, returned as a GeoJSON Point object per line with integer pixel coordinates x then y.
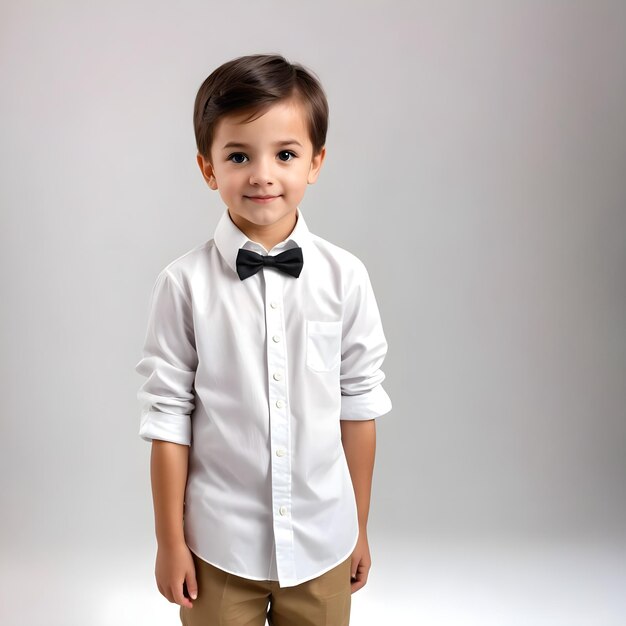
{"type": "Point", "coordinates": [228, 600]}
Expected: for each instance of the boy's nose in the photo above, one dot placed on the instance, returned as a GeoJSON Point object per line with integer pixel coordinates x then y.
{"type": "Point", "coordinates": [261, 173]}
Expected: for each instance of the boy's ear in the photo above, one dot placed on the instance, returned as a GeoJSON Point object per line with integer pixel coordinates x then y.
{"type": "Point", "coordinates": [207, 171]}
{"type": "Point", "coordinates": [316, 165]}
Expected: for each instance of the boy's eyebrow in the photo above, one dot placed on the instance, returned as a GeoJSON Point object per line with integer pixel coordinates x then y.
{"type": "Point", "coordinates": [284, 142]}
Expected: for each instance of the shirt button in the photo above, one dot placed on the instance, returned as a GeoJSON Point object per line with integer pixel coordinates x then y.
{"type": "Point", "coordinates": [276, 338]}
{"type": "Point", "coordinates": [280, 404]}
{"type": "Point", "coordinates": [280, 451]}
{"type": "Point", "coordinates": [277, 375]}
{"type": "Point", "coordinates": [274, 304]}
{"type": "Point", "coordinates": [283, 510]}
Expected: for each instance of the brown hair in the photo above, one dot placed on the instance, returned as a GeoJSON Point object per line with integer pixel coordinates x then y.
{"type": "Point", "coordinates": [255, 82]}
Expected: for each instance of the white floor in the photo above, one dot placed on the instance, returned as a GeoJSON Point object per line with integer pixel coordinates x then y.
{"type": "Point", "coordinates": [428, 584]}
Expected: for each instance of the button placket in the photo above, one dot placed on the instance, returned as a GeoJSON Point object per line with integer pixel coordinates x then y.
{"type": "Point", "coordinates": [280, 433]}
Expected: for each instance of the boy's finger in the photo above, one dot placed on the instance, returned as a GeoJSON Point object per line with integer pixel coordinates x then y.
{"type": "Point", "coordinates": [192, 585]}
{"type": "Point", "coordinates": [353, 567]}
{"type": "Point", "coordinates": [179, 597]}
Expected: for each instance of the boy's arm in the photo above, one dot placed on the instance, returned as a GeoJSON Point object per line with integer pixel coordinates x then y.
{"type": "Point", "coordinates": [363, 399]}
{"type": "Point", "coordinates": [169, 364]}
{"type": "Point", "coordinates": [359, 443]}
{"type": "Point", "coordinates": [363, 350]}
{"type": "Point", "coordinates": [168, 468]}
{"type": "Point", "coordinates": [174, 564]}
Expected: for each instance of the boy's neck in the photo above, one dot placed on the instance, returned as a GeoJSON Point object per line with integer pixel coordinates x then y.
{"type": "Point", "coordinates": [268, 236]}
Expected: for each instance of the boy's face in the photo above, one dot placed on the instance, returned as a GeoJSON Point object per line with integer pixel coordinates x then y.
{"type": "Point", "coordinates": [272, 158]}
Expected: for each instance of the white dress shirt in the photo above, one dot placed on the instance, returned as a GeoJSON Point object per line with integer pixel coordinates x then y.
{"type": "Point", "coordinates": [255, 375]}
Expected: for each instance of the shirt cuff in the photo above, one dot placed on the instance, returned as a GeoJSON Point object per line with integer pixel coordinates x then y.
{"type": "Point", "coordinates": [365, 406]}
{"type": "Point", "coordinates": [166, 427]}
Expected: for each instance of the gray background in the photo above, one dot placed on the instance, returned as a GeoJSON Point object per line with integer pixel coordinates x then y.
{"type": "Point", "coordinates": [476, 163]}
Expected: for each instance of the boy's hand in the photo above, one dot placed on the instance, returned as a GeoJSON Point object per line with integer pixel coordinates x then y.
{"type": "Point", "coordinates": [174, 566]}
{"type": "Point", "coordinates": [361, 562]}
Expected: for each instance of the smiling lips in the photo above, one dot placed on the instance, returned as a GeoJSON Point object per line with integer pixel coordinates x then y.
{"type": "Point", "coordinates": [261, 199]}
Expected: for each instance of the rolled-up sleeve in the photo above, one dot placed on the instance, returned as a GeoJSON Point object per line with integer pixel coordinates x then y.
{"type": "Point", "coordinates": [169, 364]}
{"type": "Point", "coordinates": [363, 349]}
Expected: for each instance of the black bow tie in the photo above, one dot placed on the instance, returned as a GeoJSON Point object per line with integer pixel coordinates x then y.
{"type": "Point", "coordinates": [249, 262]}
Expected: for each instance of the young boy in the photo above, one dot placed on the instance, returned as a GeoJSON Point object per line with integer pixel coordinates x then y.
{"type": "Point", "coordinates": [262, 358]}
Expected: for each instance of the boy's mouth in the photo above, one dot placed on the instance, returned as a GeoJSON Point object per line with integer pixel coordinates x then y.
{"type": "Point", "coordinates": [261, 198]}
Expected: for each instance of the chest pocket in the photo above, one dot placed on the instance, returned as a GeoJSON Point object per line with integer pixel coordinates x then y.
{"type": "Point", "coordinates": [323, 345]}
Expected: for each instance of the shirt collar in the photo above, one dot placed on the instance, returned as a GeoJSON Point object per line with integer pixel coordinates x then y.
{"type": "Point", "coordinates": [228, 239]}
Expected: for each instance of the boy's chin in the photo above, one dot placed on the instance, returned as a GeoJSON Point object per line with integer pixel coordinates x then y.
{"type": "Point", "coordinates": [265, 215]}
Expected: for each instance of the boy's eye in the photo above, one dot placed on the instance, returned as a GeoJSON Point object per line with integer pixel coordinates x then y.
{"type": "Point", "coordinates": [288, 153]}
{"type": "Point", "coordinates": [237, 154]}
